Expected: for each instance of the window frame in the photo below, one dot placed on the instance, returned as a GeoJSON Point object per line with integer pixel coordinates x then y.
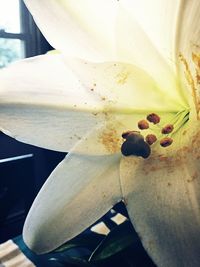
{"type": "Point", "coordinates": [34, 41]}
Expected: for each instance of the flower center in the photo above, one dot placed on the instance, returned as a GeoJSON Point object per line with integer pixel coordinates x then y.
{"type": "Point", "coordinates": [138, 143]}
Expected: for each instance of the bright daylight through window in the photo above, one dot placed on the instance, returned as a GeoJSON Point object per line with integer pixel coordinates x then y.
{"type": "Point", "coordinates": [11, 36]}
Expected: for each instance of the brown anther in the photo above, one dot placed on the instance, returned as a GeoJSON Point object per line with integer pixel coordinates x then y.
{"type": "Point", "coordinates": [166, 141]}
{"type": "Point", "coordinates": [151, 139]}
{"type": "Point", "coordinates": [167, 129]}
{"type": "Point", "coordinates": [143, 124]}
{"type": "Point", "coordinates": [154, 118]}
{"type": "Point", "coordinates": [127, 133]}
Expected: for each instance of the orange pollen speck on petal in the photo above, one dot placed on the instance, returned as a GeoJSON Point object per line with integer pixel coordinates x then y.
{"type": "Point", "coordinates": [190, 81]}
{"type": "Point", "coordinates": [196, 60]}
{"type": "Point", "coordinates": [110, 139]}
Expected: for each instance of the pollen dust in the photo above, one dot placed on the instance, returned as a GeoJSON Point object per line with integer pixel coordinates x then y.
{"type": "Point", "coordinates": [110, 139]}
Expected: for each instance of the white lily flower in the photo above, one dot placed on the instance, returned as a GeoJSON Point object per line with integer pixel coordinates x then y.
{"type": "Point", "coordinates": [118, 62]}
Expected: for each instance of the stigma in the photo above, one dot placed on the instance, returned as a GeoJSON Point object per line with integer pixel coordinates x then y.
{"type": "Point", "coordinates": [135, 145]}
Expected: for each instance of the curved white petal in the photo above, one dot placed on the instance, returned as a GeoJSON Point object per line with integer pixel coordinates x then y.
{"type": "Point", "coordinates": [158, 19]}
{"type": "Point", "coordinates": [43, 103]}
{"type": "Point", "coordinates": [163, 201]}
{"type": "Point", "coordinates": [56, 113]}
{"type": "Point", "coordinates": [134, 45]}
{"type": "Point", "coordinates": [79, 191]}
{"type": "Point", "coordinates": [122, 86]}
{"type": "Point", "coordinates": [188, 30]}
{"type": "Point", "coordinates": [188, 50]}
{"type": "Point", "coordinates": [83, 28]}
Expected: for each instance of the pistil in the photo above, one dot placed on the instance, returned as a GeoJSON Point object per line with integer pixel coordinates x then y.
{"type": "Point", "coordinates": [135, 145]}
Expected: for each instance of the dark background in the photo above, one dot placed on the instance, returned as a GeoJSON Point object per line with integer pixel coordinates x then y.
{"type": "Point", "coordinates": [20, 181]}
{"type": "Point", "coordinates": [21, 178]}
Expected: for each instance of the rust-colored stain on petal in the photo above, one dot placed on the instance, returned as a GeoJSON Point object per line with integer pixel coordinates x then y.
{"type": "Point", "coordinates": [110, 136]}
{"type": "Point", "coordinates": [193, 177]}
{"type": "Point", "coordinates": [191, 82]}
{"type": "Point", "coordinates": [110, 139]}
{"type": "Point", "coordinates": [196, 60]}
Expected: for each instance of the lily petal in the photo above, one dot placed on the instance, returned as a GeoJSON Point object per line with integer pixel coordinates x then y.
{"type": "Point", "coordinates": [134, 45]}
{"type": "Point", "coordinates": [44, 104]}
{"type": "Point", "coordinates": [84, 29]}
{"type": "Point", "coordinates": [79, 191]}
{"type": "Point", "coordinates": [188, 51]}
{"type": "Point", "coordinates": [158, 19]}
{"type": "Point", "coordinates": [122, 86]}
{"type": "Point", "coordinates": [66, 108]}
{"type": "Point", "coordinates": [188, 34]}
{"type": "Point", "coordinates": [163, 202]}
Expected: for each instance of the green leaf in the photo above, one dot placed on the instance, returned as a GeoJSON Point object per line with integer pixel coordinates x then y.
{"type": "Point", "coordinates": [73, 261]}
{"type": "Point", "coordinates": [89, 241]}
{"type": "Point", "coordinates": [117, 240]}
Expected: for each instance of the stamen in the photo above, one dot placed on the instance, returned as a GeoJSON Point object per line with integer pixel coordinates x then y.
{"type": "Point", "coordinates": [154, 118]}
{"type": "Point", "coordinates": [167, 129]}
{"type": "Point", "coordinates": [151, 139]}
{"type": "Point", "coordinates": [166, 141]}
{"type": "Point", "coordinates": [127, 133]}
{"type": "Point", "coordinates": [136, 145]}
{"type": "Point", "coordinates": [143, 124]}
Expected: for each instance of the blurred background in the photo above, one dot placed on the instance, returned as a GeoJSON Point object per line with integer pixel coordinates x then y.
{"type": "Point", "coordinates": [23, 168]}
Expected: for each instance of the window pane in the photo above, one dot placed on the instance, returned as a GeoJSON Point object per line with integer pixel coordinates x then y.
{"type": "Point", "coordinates": [10, 50]}
{"type": "Point", "coordinates": [10, 16]}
